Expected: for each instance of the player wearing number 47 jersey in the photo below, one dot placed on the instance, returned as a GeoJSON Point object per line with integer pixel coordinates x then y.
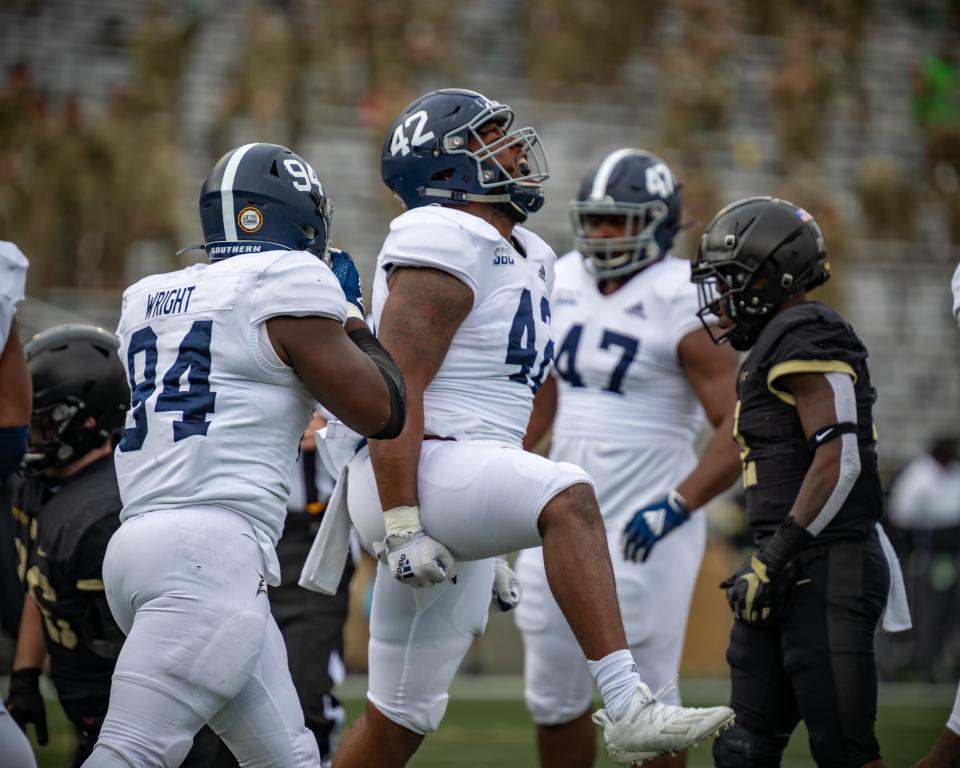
{"type": "Point", "coordinates": [461, 299]}
{"type": "Point", "coordinates": [225, 361]}
{"type": "Point", "coordinates": [633, 375]}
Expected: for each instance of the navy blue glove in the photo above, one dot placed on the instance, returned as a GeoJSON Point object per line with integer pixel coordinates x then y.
{"type": "Point", "coordinates": [651, 524]}
{"type": "Point", "coordinates": [343, 268]}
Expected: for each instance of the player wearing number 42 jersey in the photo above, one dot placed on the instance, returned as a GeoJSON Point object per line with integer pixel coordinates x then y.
{"type": "Point", "coordinates": [461, 299]}
{"type": "Point", "coordinates": [225, 361]}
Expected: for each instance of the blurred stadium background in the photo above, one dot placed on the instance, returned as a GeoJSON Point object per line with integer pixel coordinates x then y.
{"type": "Point", "coordinates": [113, 111]}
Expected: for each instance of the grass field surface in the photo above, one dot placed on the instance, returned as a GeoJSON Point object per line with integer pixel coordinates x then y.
{"type": "Point", "coordinates": [486, 725]}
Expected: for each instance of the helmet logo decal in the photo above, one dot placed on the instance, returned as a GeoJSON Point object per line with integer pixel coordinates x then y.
{"type": "Point", "coordinates": [250, 219]}
{"type": "Point", "coordinates": [400, 144]}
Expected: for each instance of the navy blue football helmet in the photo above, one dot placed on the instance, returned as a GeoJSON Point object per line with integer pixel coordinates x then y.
{"type": "Point", "coordinates": [639, 187]}
{"type": "Point", "coordinates": [263, 197]}
{"type": "Point", "coordinates": [427, 157]}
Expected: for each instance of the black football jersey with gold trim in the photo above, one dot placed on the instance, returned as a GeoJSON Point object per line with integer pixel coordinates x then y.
{"type": "Point", "coordinates": [805, 338]}
{"type": "Point", "coordinates": [61, 539]}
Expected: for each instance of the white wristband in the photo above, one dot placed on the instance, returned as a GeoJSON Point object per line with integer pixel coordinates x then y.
{"type": "Point", "coordinates": [402, 521]}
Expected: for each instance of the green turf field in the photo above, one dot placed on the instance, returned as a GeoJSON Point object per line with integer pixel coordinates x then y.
{"type": "Point", "coordinates": [486, 726]}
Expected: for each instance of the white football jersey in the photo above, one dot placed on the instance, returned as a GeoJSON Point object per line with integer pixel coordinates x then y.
{"type": "Point", "coordinates": [502, 351]}
{"type": "Point", "coordinates": [13, 278]}
{"type": "Point", "coordinates": [216, 417]}
{"type": "Point", "coordinates": [626, 411]}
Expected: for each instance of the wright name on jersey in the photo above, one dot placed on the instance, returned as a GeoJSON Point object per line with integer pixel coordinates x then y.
{"type": "Point", "coordinates": [215, 416]}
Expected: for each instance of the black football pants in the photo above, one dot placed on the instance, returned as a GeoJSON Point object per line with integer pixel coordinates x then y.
{"type": "Point", "coordinates": [818, 663]}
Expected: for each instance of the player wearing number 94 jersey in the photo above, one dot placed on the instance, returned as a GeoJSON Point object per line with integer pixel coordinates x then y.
{"type": "Point", "coordinates": [225, 361]}
{"type": "Point", "coordinates": [461, 300]}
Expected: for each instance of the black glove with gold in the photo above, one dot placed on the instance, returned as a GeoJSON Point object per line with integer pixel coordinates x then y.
{"type": "Point", "coordinates": [25, 703]}
{"type": "Point", "coordinates": [757, 591]}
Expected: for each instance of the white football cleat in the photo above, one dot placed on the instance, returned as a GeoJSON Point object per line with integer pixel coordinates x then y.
{"type": "Point", "coordinates": [651, 728]}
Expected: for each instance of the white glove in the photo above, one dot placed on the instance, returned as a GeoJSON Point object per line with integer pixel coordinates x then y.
{"type": "Point", "coordinates": [414, 558]}
{"type": "Point", "coordinates": [506, 587]}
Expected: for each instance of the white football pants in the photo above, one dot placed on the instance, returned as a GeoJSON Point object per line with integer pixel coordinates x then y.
{"type": "Point", "coordinates": [654, 596]}
{"type": "Point", "coordinates": [479, 499]}
{"type": "Point", "coordinates": [187, 587]}
{"type": "Point", "coordinates": [14, 746]}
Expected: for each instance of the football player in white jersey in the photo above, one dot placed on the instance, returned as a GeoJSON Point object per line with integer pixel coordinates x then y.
{"type": "Point", "coordinates": [634, 372]}
{"type": "Point", "coordinates": [461, 299]}
{"type": "Point", "coordinates": [15, 392]}
{"type": "Point", "coordinates": [16, 399]}
{"type": "Point", "coordinates": [225, 361]}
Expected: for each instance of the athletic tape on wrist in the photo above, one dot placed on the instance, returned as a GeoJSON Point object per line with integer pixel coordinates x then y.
{"type": "Point", "coordinates": [402, 521]}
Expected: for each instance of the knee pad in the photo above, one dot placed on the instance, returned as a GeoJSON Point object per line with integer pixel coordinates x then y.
{"type": "Point", "coordinates": [737, 747]}
{"type": "Point", "coordinates": [226, 662]}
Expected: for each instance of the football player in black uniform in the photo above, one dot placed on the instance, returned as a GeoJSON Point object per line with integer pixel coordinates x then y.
{"type": "Point", "coordinates": [65, 508]}
{"type": "Point", "coordinates": [808, 602]}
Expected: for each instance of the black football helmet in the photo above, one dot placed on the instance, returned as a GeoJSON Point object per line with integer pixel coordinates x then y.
{"type": "Point", "coordinates": [639, 188]}
{"type": "Point", "coordinates": [76, 374]}
{"type": "Point", "coordinates": [756, 253]}
{"type": "Point", "coordinates": [263, 197]}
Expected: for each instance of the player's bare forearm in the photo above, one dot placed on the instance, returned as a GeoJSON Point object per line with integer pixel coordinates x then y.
{"type": "Point", "coordinates": [712, 372]}
{"type": "Point", "coordinates": [31, 647]}
{"type": "Point", "coordinates": [945, 753]}
{"type": "Point", "coordinates": [419, 320]}
{"type": "Point", "coordinates": [395, 461]}
{"type": "Point", "coordinates": [717, 469]}
{"type": "Point", "coordinates": [15, 391]}
{"type": "Point", "coordinates": [543, 413]}
{"type": "Point", "coordinates": [335, 371]}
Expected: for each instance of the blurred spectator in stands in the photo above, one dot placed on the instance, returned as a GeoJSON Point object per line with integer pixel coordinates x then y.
{"type": "Point", "coordinates": [805, 186]}
{"type": "Point", "coordinates": [936, 109]}
{"type": "Point", "coordinates": [925, 503]}
{"type": "Point", "coordinates": [15, 99]}
{"type": "Point", "coordinates": [35, 148]}
{"type": "Point", "coordinates": [158, 48]}
{"type": "Point", "coordinates": [802, 89]}
{"type": "Point", "coordinates": [701, 198]}
{"type": "Point", "coordinates": [936, 101]}
{"type": "Point", "coordinates": [570, 43]}
{"type": "Point", "coordinates": [264, 88]}
{"type": "Point", "coordinates": [849, 22]}
{"type": "Point", "coordinates": [697, 90]}
{"type": "Point", "coordinates": [888, 198]}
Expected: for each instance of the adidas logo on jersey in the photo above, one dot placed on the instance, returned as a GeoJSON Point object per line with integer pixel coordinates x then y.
{"type": "Point", "coordinates": [543, 273]}
{"type": "Point", "coordinates": [638, 310]}
{"type": "Point", "coordinates": [655, 519]}
{"type": "Point", "coordinates": [404, 570]}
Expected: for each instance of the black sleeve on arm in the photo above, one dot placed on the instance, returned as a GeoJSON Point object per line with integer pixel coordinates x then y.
{"type": "Point", "coordinates": [373, 349]}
